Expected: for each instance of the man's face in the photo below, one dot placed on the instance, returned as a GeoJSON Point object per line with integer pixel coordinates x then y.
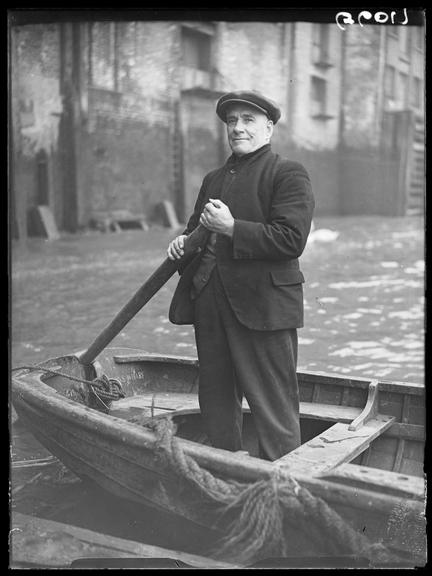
{"type": "Point", "coordinates": [248, 129]}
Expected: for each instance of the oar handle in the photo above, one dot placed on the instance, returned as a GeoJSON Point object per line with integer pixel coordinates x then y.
{"type": "Point", "coordinates": [193, 242]}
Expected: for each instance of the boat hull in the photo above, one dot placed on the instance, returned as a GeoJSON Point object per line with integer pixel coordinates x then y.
{"type": "Point", "coordinates": [128, 460]}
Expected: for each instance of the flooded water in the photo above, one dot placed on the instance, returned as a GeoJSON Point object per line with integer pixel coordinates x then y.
{"type": "Point", "coordinates": [364, 316]}
{"type": "Point", "coordinates": [57, 494]}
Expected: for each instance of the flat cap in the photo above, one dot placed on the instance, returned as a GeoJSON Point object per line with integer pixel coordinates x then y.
{"type": "Point", "coordinates": [251, 97]}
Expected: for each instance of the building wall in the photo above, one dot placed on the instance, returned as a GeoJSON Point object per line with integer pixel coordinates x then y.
{"type": "Point", "coordinates": [130, 81]}
{"type": "Point", "coordinates": [36, 108]}
{"type": "Point", "coordinates": [382, 66]}
{"type": "Point", "coordinates": [404, 58]}
{"type": "Point", "coordinates": [251, 55]}
{"type": "Point", "coordinates": [311, 132]}
{"type": "Point", "coordinates": [131, 128]}
{"type": "Point", "coordinates": [38, 95]}
{"type": "Point", "coordinates": [362, 84]}
{"type": "Point", "coordinates": [133, 144]}
{"type": "Point", "coordinates": [369, 185]}
{"type": "Point", "coordinates": [372, 54]}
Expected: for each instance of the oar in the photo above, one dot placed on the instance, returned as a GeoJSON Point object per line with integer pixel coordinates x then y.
{"type": "Point", "coordinates": [193, 242]}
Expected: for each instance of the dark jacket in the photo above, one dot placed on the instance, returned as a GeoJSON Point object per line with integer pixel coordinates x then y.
{"type": "Point", "coordinates": [271, 201]}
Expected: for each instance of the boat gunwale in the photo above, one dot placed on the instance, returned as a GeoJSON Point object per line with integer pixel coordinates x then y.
{"type": "Point", "coordinates": [41, 376]}
{"type": "Point", "coordinates": [415, 388]}
{"type": "Point", "coordinates": [247, 467]}
{"type": "Point", "coordinates": [333, 378]}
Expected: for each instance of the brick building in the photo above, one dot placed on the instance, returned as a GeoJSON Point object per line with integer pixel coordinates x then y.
{"type": "Point", "coordinates": [112, 115]}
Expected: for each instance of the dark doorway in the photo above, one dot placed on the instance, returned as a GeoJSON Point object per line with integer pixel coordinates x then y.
{"type": "Point", "coordinates": [14, 231]}
{"type": "Point", "coordinates": [42, 180]}
{"type": "Point", "coordinates": [70, 60]}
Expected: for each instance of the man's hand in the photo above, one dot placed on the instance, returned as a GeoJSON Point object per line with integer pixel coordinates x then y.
{"type": "Point", "coordinates": [176, 247]}
{"type": "Point", "coordinates": [217, 217]}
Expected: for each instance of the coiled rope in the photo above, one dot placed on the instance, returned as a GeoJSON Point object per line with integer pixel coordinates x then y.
{"type": "Point", "coordinates": [267, 508]}
{"type": "Point", "coordinates": [102, 390]}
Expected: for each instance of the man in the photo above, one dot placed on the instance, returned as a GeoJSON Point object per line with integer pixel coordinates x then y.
{"type": "Point", "coordinates": [243, 292]}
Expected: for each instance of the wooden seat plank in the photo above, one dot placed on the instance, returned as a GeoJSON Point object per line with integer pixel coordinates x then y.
{"type": "Point", "coordinates": [331, 412]}
{"type": "Point", "coordinates": [160, 403]}
{"type": "Point", "coordinates": [187, 403]}
{"type": "Point", "coordinates": [334, 446]}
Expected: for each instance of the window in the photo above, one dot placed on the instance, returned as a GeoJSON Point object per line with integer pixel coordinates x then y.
{"type": "Point", "coordinates": [404, 39]}
{"type": "Point", "coordinates": [42, 178]}
{"type": "Point", "coordinates": [196, 47]}
{"type": "Point", "coordinates": [418, 37]}
{"type": "Point", "coordinates": [389, 82]}
{"type": "Point", "coordinates": [403, 88]}
{"type": "Point", "coordinates": [320, 44]}
{"type": "Point", "coordinates": [416, 93]}
{"type": "Point", "coordinates": [318, 96]}
{"type": "Point", "coordinates": [197, 59]}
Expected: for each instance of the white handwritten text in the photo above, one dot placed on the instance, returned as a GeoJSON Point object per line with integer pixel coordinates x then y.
{"type": "Point", "coordinates": [365, 15]}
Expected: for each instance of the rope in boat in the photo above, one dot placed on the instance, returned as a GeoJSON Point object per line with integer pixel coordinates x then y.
{"type": "Point", "coordinates": [102, 390]}
{"type": "Point", "coordinates": [268, 507]}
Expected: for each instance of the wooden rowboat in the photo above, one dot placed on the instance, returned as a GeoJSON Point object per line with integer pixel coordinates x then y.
{"type": "Point", "coordinates": [361, 455]}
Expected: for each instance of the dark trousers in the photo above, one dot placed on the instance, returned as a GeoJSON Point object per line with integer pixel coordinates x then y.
{"type": "Point", "coordinates": [235, 361]}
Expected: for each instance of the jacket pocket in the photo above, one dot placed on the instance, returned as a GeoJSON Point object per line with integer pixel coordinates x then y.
{"type": "Point", "coordinates": [286, 277]}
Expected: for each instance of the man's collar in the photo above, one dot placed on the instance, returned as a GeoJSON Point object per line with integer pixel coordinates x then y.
{"type": "Point", "coordinates": [233, 159]}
